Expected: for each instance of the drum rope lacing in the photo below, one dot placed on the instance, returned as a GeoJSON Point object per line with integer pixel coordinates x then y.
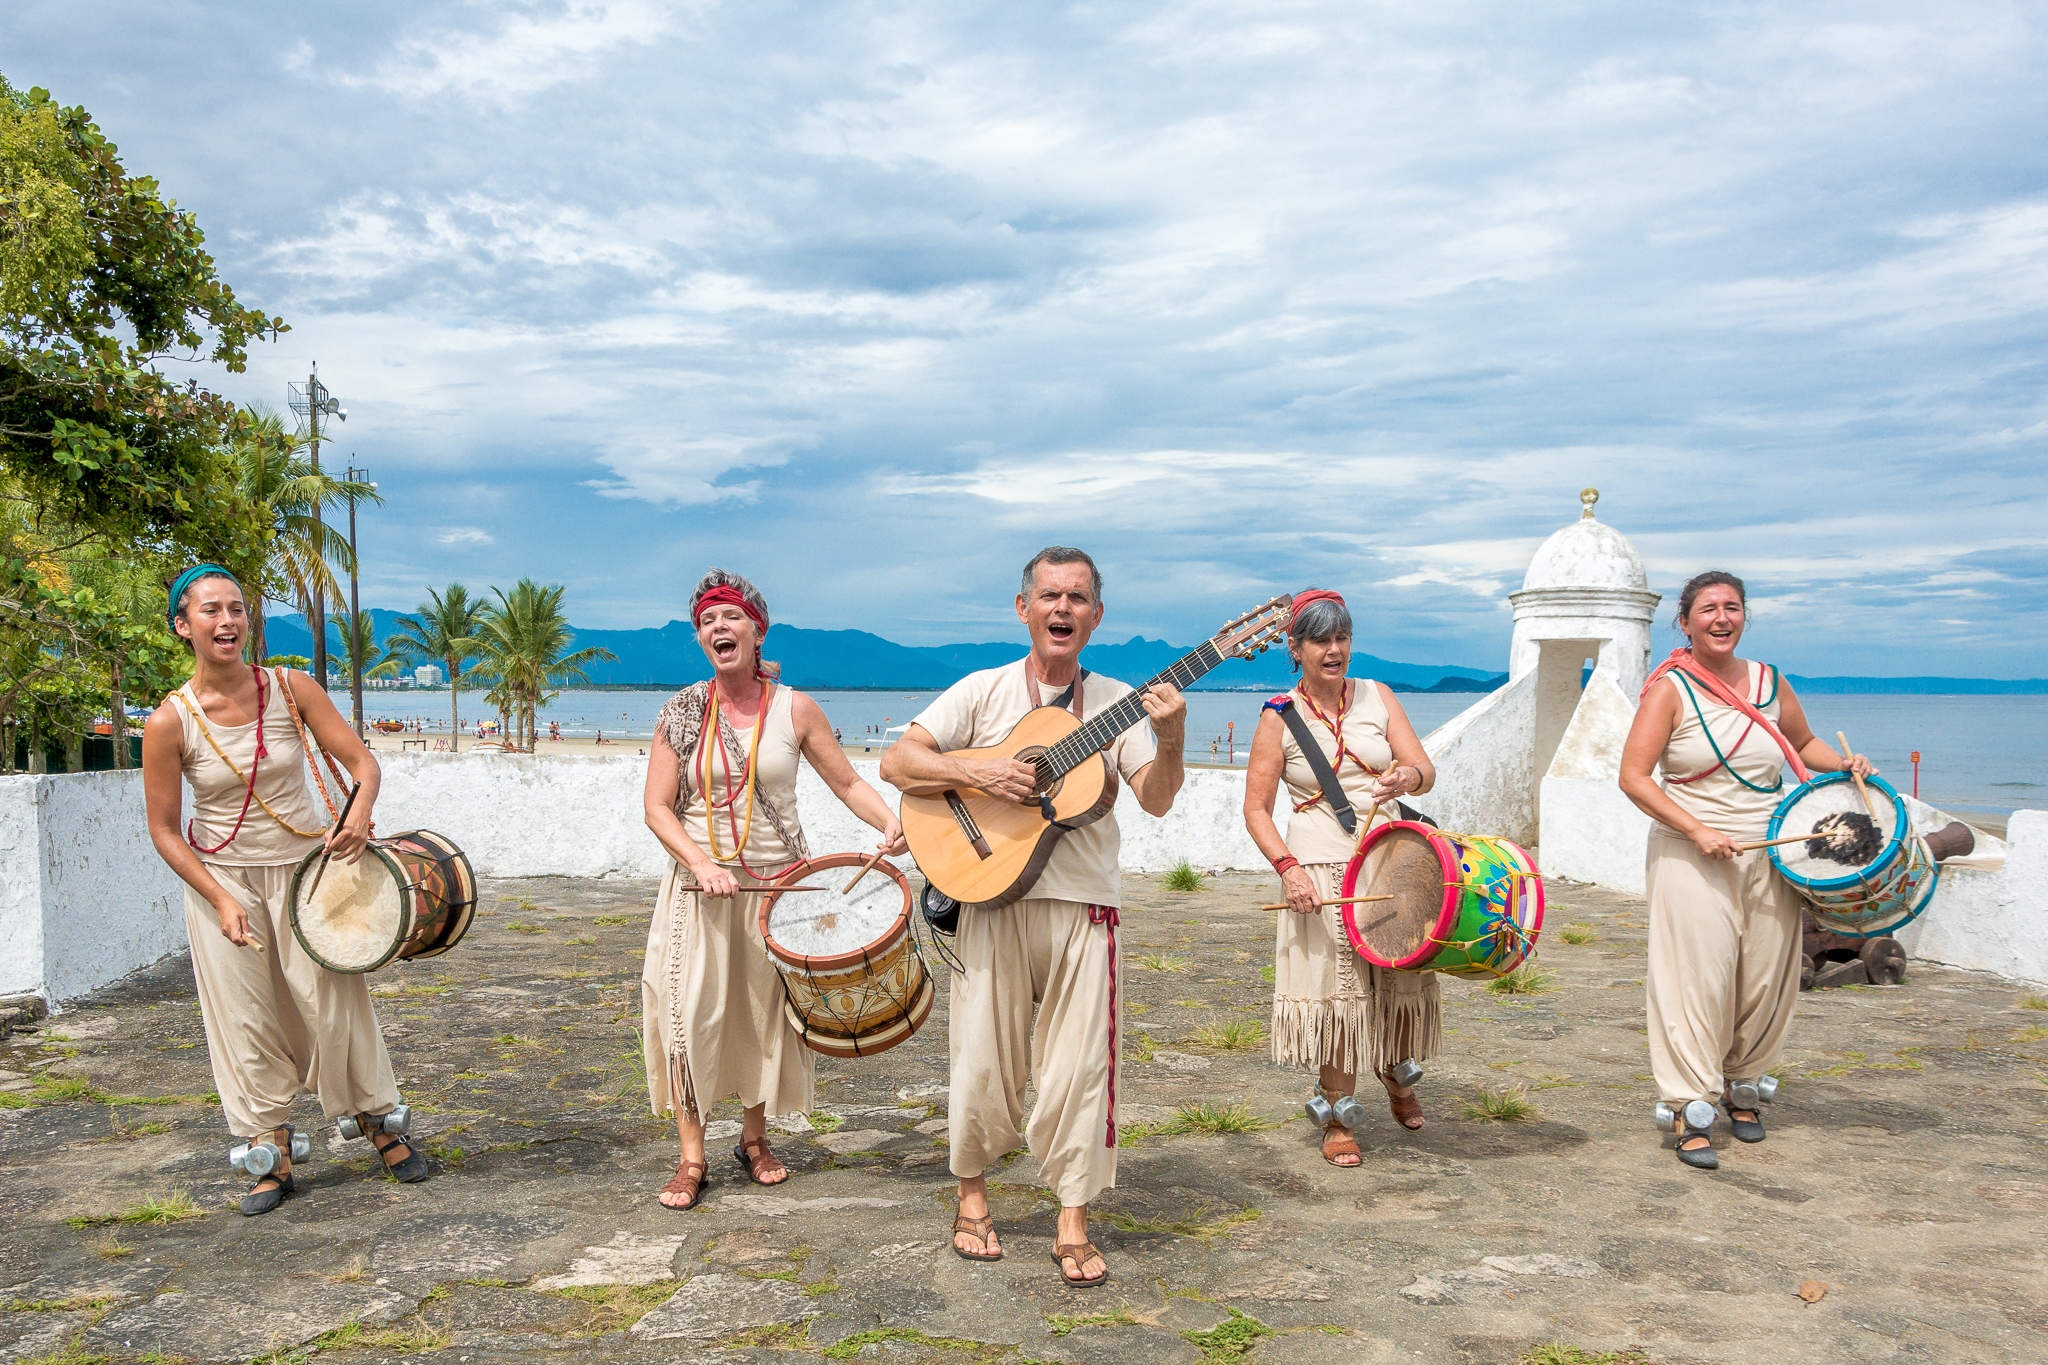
{"type": "Point", "coordinates": [249, 793]}
{"type": "Point", "coordinates": [871, 987]}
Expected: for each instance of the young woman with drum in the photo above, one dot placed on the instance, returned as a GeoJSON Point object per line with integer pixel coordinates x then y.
{"type": "Point", "coordinates": [1332, 1009]}
{"type": "Point", "coordinates": [1724, 929]}
{"type": "Point", "coordinates": [721, 797]}
{"type": "Point", "coordinates": [277, 1022]}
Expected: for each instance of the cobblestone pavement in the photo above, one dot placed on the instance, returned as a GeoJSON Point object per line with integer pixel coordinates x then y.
{"type": "Point", "coordinates": [1903, 1173]}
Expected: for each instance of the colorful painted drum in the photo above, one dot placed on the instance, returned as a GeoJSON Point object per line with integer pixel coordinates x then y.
{"type": "Point", "coordinates": [853, 981]}
{"type": "Point", "coordinates": [412, 895]}
{"type": "Point", "coordinates": [1466, 904]}
{"type": "Point", "coordinates": [1863, 898]}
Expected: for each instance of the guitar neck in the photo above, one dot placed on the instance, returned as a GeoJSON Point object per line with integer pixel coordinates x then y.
{"type": "Point", "coordinates": [1095, 735]}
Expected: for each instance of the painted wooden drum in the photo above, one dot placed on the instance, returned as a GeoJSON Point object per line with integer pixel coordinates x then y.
{"type": "Point", "coordinates": [854, 983]}
{"type": "Point", "coordinates": [1466, 904]}
{"type": "Point", "coordinates": [409, 896]}
{"type": "Point", "coordinates": [1868, 894]}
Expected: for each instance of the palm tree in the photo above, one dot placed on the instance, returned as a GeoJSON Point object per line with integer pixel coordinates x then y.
{"type": "Point", "coordinates": [444, 630]}
{"type": "Point", "coordinates": [274, 471]}
{"type": "Point", "coordinates": [524, 639]}
{"type": "Point", "coordinates": [358, 642]}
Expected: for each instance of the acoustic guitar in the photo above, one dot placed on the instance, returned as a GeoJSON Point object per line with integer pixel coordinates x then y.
{"type": "Point", "coordinates": [987, 851]}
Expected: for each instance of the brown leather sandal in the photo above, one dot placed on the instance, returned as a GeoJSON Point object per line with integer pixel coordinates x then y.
{"type": "Point", "coordinates": [758, 1162]}
{"type": "Point", "coordinates": [983, 1230]}
{"type": "Point", "coordinates": [1407, 1109]}
{"type": "Point", "coordinates": [1080, 1253]}
{"type": "Point", "coordinates": [1338, 1142]}
{"type": "Point", "coordinates": [689, 1179]}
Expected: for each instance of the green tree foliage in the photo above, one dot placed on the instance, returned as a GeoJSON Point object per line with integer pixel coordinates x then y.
{"type": "Point", "coordinates": [273, 473]}
{"type": "Point", "coordinates": [446, 630]}
{"type": "Point", "coordinates": [526, 641]}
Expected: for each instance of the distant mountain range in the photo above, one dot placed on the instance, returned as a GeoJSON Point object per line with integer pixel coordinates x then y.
{"type": "Point", "coordinates": [821, 659]}
{"type": "Point", "coordinates": [668, 656]}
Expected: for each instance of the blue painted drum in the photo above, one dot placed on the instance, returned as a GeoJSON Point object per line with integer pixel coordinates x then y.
{"type": "Point", "coordinates": [1867, 900]}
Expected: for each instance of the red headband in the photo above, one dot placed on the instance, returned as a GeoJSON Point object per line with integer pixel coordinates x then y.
{"type": "Point", "coordinates": [723, 595]}
{"type": "Point", "coordinates": [1301, 602]}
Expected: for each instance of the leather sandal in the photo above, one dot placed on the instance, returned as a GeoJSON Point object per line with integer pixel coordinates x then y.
{"type": "Point", "coordinates": [1407, 1108]}
{"type": "Point", "coordinates": [762, 1156]}
{"type": "Point", "coordinates": [983, 1230]}
{"type": "Point", "coordinates": [1338, 1142]}
{"type": "Point", "coordinates": [409, 1169]}
{"type": "Point", "coordinates": [1080, 1253]}
{"type": "Point", "coordinates": [1699, 1158]}
{"type": "Point", "coordinates": [1750, 1129]}
{"type": "Point", "coordinates": [690, 1178]}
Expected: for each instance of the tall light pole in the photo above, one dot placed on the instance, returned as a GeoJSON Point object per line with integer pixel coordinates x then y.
{"type": "Point", "coordinates": [355, 609]}
{"type": "Point", "coordinates": [313, 402]}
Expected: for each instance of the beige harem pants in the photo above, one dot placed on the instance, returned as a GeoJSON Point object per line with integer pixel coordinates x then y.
{"type": "Point", "coordinates": [277, 1022]}
{"type": "Point", "coordinates": [712, 1023]}
{"type": "Point", "coordinates": [1042, 953]}
{"type": "Point", "coordinates": [1333, 1008]}
{"type": "Point", "coordinates": [1724, 967]}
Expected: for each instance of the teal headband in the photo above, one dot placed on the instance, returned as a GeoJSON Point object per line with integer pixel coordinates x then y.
{"type": "Point", "coordinates": [186, 580]}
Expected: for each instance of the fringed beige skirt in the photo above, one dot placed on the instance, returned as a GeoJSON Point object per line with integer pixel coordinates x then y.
{"type": "Point", "coordinates": [1333, 1008]}
{"type": "Point", "coordinates": [711, 1018]}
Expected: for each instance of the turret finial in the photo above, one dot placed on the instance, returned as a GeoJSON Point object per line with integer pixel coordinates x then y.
{"type": "Point", "coordinates": [1587, 497]}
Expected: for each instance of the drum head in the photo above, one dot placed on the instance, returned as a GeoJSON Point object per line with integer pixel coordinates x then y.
{"type": "Point", "coordinates": [357, 917]}
{"type": "Point", "coordinates": [829, 928]}
{"type": "Point", "coordinates": [1834, 794]}
{"type": "Point", "coordinates": [1398, 860]}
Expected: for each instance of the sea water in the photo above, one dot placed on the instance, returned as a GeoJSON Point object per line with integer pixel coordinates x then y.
{"type": "Point", "coordinates": [1978, 753]}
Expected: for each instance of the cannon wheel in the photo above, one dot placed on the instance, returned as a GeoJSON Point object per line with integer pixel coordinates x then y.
{"type": "Point", "coordinates": [1885, 960]}
{"type": "Point", "coordinates": [1806, 971]}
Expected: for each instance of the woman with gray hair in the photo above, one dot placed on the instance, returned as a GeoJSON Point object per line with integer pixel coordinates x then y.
{"type": "Point", "coordinates": [1332, 1009]}
{"type": "Point", "coordinates": [721, 797]}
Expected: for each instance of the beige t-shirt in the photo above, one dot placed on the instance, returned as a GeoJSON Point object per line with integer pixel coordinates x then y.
{"type": "Point", "coordinates": [1313, 832]}
{"type": "Point", "coordinates": [980, 709]}
{"type": "Point", "coordinates": [1720, 801]}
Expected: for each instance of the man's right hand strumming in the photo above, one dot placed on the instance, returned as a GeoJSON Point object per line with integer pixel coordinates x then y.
{"type": "Point", "coordinates": [1004, 777]}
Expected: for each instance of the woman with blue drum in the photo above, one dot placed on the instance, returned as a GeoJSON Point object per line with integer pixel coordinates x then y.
{"type": "Point", "coordinates": [1724, 927]}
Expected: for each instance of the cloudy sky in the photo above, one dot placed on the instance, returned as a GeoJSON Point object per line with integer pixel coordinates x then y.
{"type": "Point", "coordinates": [870, 301]}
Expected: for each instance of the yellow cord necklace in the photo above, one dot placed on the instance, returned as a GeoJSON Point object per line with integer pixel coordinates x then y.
{"type": "Point", "coordinates": [713, 739]}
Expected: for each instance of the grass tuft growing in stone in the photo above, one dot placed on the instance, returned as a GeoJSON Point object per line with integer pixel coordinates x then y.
{"type": "Point", "coordinates": [1557, 1353]}
{"type": "Point", "coordinates": [72, 1352]}
{"type": "Point", "coordinates": [1501, 1106]}
{"type": "Point", "coordinates": [2035, 1002]}
{"type": "Point", "coordinates": [1239, 1035]}
{"type": "Point", "coordinates": [1197, 1223]}
{"type": "Point", "coordinates": [1163, 962]}
{"type": "Point", "coordinates": [1063, 1324]}
{"type": "Point", "coordinates": [1230, 1340]}
{"type": "Point", "coordinates": [618, 1306]}
{"type": "Point", "coordinates": [518, 928]}
{"type": "Point", "coordinates": [10, 1100]}
{"type": "Point", "coordinates": [61, 1089]}
{"type": "Point", "coordinates": [612, 921]}
{"type": "Point", "coordinates": [1527, 979]}
{"type": "Point", "coordinates": [1206, 1116]}
{"type": "Point", "coordinates": [1577, 933]}
{"type": "Point", "coordinates": [112, 1249]}
{"type": "Point", "coordinates": [847, 1348]}
{"type": "Point", "coordinates": [1184, 876]}
{"type": "Point", "coordinates": [154, 1210]}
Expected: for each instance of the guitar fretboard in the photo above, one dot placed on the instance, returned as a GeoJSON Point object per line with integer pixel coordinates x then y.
{"type": "Point", "coordinates": [1096, 733]}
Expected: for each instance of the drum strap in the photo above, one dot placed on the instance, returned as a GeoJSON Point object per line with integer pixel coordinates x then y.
{"type": "Point", "coordinates": [1326, 776]}
{"type": "Point", "coordinates": [1106, 914]}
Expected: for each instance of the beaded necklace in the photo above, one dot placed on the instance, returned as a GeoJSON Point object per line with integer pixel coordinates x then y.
{"type": "Point", "coordinates": [714, 741]}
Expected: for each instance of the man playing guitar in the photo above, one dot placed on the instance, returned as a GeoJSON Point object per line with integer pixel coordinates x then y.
{"type": "Point", "coordinates": [1055, 948]}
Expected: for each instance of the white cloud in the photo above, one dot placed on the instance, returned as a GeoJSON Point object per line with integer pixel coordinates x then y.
{"type": "Point", "coordinates": [466, 535]}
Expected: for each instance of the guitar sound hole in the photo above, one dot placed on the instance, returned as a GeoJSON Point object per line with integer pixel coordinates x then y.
{"type": "Point", "coordinates": [1048, 786]}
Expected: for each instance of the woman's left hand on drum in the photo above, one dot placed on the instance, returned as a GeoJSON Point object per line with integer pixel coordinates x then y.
{"type": "Point", "coordinates": [1398, 780]}
{"type": "Point", "coordinates": [346, 841]}
{"type": "Point", "coordinates": [893, 841]}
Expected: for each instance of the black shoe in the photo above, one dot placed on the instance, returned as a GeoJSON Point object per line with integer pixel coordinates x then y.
{"type": "Point", "coordinates": [1747, 1130]}
{"type": "Point", "coordinates": [1699, 1158]}
{"type": "Point", "coordinates": [263, 1201]}
{"type": "Point", "coordinates": [410, 1171]}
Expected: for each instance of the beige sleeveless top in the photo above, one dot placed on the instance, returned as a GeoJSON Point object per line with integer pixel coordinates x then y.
{"type": "Point", "coordinates": [767, 848]}
{"type": "Point", "coordinates": [218, 790]}
{"type": "Point", "coordinates": [1737, 803]}
{"type": "Point", "coordinates": [1313, 834]}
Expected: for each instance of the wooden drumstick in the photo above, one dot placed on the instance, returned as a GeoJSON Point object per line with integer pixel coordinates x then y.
{"type": "Point", "coordinates": [1773, 843]}
{"type": "Point", "coordinates": [865, 868]}
{"type": "Point", "coordinates": [753, 890]}
{"type": "Point", "coordinates": [250, 940]}
{"type": "Point", "coordinates": [325, 856]}
{"type": "Point", "coordinates": [1861, 790]}
{"type": "Point", "coordinates": [1342, 900]}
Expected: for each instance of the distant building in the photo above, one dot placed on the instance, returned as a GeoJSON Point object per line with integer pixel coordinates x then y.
{"type": "Point", "coordinates": [427, 675]}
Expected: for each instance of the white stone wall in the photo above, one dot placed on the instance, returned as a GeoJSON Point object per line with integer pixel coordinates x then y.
{"type": "Point", "coordinates": [86, 898]}
{"type": "Point", "coordinates": [528, 815]}
{"type": "Point", "coordinates": [1485, 766]}
{"type": "Point", "coordinates": [1590, 831]}
{"type": "Point", "coordinates": [1988, 913]}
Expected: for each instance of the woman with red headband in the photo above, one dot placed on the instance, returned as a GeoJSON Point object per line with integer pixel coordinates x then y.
{"type": "Point", "coordinates": [1332, 1009]}
{"type": "Point", "coordinates": [721, 797]}
{"type": "Point", "coordinates": [1724, 929]}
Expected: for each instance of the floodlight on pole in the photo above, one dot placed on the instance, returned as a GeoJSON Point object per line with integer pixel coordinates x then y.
{"type": "Point", "coordinates": [311, 401]}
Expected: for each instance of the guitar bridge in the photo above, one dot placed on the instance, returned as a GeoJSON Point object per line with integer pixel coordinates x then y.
{"type": "Point", "coordinates": [965, 819]}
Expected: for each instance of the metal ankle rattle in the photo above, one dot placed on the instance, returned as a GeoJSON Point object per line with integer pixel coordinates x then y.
{"type": "Point", "coordinates": [398, 1123]}
{"type": "Point", "coordinates": [261, 1157]}
{"type": "Point", "coordinates": [1750, 1094]}
{"type": "Point", "coordinates": [1345, 1109]}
